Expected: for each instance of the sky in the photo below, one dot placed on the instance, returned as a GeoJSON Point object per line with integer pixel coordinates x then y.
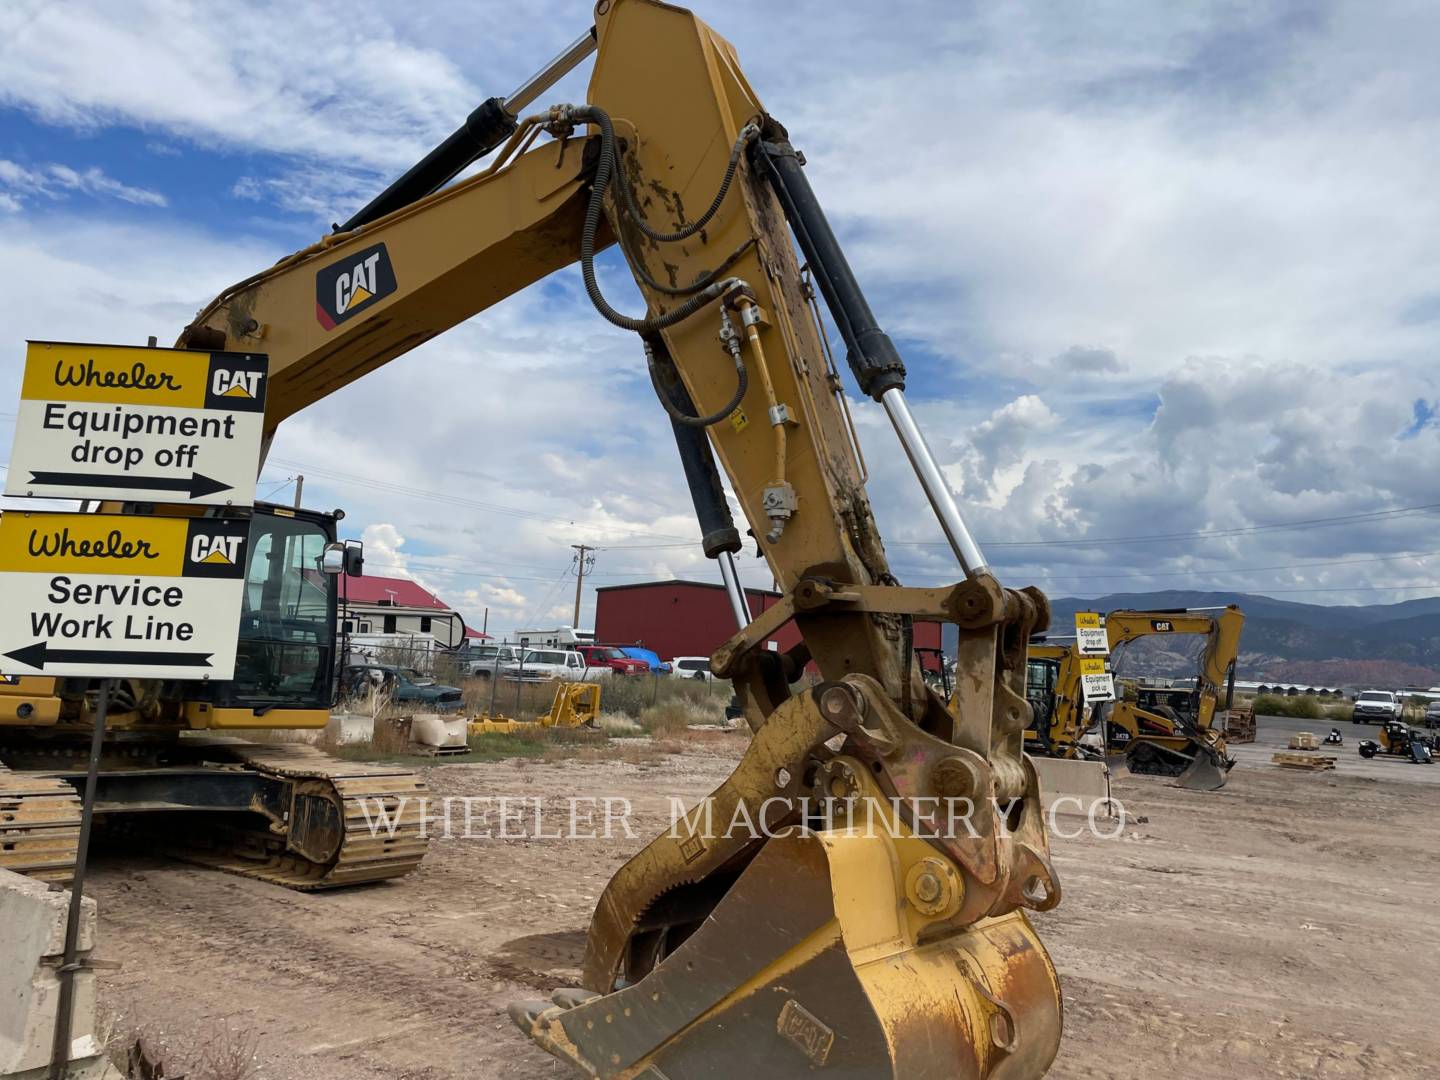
{"type": "Point", "coordinates": [1165, 277]}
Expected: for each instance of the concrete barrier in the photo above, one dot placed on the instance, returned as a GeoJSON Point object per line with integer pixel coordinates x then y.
{"type": "Point", "coordinates": [32, 945]}
{"type": "Point", "coordinates": [1072, 779]}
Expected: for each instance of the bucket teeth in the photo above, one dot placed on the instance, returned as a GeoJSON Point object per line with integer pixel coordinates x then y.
{"type": "Point", "coordinates": [572, 996]}
{"type": "Point", "coordinates": [526, 1014]}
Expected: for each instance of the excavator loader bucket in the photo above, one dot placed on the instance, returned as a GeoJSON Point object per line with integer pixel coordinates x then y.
{"type": "Point", "coordinates": [1205, 773]}
{"type": "Point", "coordinates": [810, 961]}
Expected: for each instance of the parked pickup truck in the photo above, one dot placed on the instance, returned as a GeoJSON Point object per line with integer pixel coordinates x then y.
{"type": "Point", "coordinates": [1376, 707]}
{"type": "Point", "coordinates": [482, 661]}
{"type": "Point", "coordinates": [610, 658]}
{"type": "Point", "coordinates": [541, 665]}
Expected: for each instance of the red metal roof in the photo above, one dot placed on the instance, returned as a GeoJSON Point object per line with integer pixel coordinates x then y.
{"type": "Point", "coordinates": [396, 592]}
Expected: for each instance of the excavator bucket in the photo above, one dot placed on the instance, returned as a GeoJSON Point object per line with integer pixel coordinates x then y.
{"type": "Point", "coordinates": [811, 961]}
{"type": "Point", "coordinates": [1204, 773]}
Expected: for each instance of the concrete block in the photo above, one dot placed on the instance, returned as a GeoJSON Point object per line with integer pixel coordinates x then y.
{"type": "Point", "coordinates": [1070, 778]}
{"type": "Point", "coordinates": [32, 945]}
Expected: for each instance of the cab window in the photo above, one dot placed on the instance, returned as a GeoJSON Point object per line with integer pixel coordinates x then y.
{"type": "Point", "coordinates": [285, 649]}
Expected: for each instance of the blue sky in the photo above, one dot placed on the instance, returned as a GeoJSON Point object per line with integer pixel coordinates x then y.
{"type": "Point", "coordinates": [1155, 269]}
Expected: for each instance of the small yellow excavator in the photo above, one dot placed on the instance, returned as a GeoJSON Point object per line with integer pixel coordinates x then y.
{"type": "Point", "coordinates": [1153, 730]}
{"type": "Point", "coordinates": [869, 941]}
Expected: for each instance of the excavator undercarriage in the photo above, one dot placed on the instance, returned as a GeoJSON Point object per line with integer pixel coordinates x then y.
{"type": "Point", "coordinates": [287, 814]}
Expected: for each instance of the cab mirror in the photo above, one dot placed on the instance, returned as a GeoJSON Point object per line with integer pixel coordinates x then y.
{"type": "Point", "coordinates": [332, 560]}
{"type": "Point", "coordinates": [354, 558]}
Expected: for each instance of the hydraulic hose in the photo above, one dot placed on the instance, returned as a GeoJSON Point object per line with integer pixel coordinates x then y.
{"type": "Point", "coordinates": [741, 385]}
{"type": "Point", "coordinates": [748, 133]}
{"type": "Point", "coordinates": [605, 171]}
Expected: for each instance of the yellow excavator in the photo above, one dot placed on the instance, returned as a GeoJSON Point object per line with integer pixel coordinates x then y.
{"type": "Point", "coordinates": [1059, 716]}
{"type": "Point", "coordinates": [871, 939]}
{"type": "Point", "coordinates": [1155, 730]}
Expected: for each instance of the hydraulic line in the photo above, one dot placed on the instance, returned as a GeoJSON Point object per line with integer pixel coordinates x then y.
{"type": "Point", "coordinates": [605, 171]}
{"type": "Point", "coordinates": [776, 413]}
{"type": "Point", "coordinates": [642, 272]}
{"type": "Point", "coordinates": [748, 134]}
{"type": "Point", "coordinates": [680, 417]}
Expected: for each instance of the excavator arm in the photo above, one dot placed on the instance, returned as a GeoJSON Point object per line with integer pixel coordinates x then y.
{"type": "Point", "coordinates": [827, 905]}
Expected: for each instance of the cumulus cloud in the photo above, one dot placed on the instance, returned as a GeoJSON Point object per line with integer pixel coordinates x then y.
{"type": "Point", "coordinates": [1000, 441]}
{"type": "Point", "coordinates": [382, 545]}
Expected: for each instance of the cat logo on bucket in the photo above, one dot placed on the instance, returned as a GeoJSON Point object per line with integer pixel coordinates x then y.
{"type": "Point", "coordinates": [351, 285]}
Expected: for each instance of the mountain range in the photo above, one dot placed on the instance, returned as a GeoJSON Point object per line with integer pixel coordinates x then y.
{"type": "Point", "coordinates": [1389, 645]}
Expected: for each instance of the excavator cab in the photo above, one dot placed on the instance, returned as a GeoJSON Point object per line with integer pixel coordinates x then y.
{"type": "Point", "coordinates": [287, 642]}
{"type": "Point", "coordinates": [1042, 674]}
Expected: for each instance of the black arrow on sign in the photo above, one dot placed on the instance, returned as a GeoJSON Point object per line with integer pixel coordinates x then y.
{"type": "Point", "coordinates": [37, 655]}
{"type": "Point", "coordinates": [196, 486]}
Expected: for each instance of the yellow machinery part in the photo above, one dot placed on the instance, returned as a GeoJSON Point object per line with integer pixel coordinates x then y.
{"type": "Point", "coordinates": [835, 949]}
{"type": "Point", "coordinates": [200, 715]}
{"type": "Point", "coordinates": [28, 701]}
{"type": "Point", "coordinates": [574, 705]}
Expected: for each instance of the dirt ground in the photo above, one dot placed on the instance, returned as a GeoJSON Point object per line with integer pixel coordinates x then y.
{"type": "Point", "coordinates": [1283, 927]}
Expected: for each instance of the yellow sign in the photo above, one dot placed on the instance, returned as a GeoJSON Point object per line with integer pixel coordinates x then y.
{"type": "Point", "coordinates": [105, 595]}
{"type": "Point", "coordinates": [115, 374]}
{"type": "Point", "coordinates": [1092, 665]}
{"type": "Point", "coordinates": [92, 544]}
{"type": "Point", "coordinates": [139, 424]}
{"type": "Point", "coordinates": [1090, 636]}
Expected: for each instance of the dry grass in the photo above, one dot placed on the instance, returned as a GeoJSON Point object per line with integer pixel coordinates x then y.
{"type": "Point", "coordinates": [619, 726]}
{"type": "Point", "coordinates": [143, 1050]}
{"type": "Point", "coordinates": [676, 714]}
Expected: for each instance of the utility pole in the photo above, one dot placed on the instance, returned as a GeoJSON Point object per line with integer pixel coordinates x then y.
{"type": "Point", "coordinates": [581, 565]}
{"type": "Point", "coordinates": [299, 488]}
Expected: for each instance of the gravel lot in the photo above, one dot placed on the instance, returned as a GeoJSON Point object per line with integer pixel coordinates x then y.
{"type": "Point", "coordinates": [1266, 930]}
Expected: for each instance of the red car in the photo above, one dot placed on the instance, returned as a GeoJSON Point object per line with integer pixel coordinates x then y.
{"type": "Point", "coordinates": [607, 656]}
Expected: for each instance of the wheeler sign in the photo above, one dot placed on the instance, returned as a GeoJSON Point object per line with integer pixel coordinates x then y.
{"type": "Point", "coordinates": [1090, 635]}
{"type": "Point", "coordinates": [138, 424]}
{"type": "Point", "coordinates": [105, 595]}
{"type": "Point", "coordinates": [1096, 683]}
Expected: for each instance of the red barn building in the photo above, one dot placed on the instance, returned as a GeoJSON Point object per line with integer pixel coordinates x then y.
{"type": "Point", "coordinates": [693, 618]}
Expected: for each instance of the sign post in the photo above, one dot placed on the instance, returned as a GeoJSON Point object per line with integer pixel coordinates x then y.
{"type": "Point", "coordinates": [138, 424]}
{"type": "Point", "coordinates": [65, 1005]}
{"type": "Point", "coordinates": [120, 596]}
